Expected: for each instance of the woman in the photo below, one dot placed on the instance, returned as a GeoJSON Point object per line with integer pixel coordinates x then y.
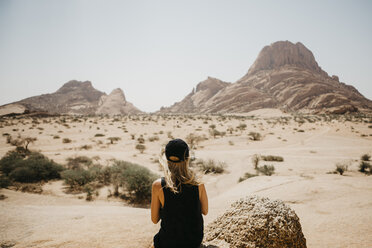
{"type": "Point", "coordinates": [179, 200]}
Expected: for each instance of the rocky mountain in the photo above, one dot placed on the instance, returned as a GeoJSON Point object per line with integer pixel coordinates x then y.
{"type": "Point", "coordinates": [116, 104]}
{"type": "Point", "coordinates": [74, 97]}
{"type": "Point", "coordinates": [284, 76]}
{"type": "Point", "coordinates": [198, 97]}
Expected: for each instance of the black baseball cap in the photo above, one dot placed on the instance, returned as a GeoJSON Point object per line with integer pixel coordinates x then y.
{"type": "Point", "coordinates": [176, 150]}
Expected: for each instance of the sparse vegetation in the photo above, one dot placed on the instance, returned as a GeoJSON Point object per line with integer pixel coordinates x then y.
{"type": "Point", "coordinates": [255, 161]}
{"type": "Point", "coordinates": [79, 162]}
{"type": "Point", "coordinates": [246, 176]}
{"type": "Point", "coordinates": [66, 140]}
{"type": "Point", "coordinates": [141, 147]}
{"type": "Point", "coordinates": [272, 158]}
{"type": "Point", "coordinates": [365, 166]}
{"type": "Point", "coordinates": [267, 170]}
{"type": "Point", "coordinates": [341, 168]}
{"type": "Point", "coordinates": [141, 140]}
{"type": "Point", "coordinates": [366, 157]}
{"type": "Point", "coordinates": [153, 138]}
{"type": "Point", "coordinates": [255, 136]}
{"type": "Point", "coordinates": [210, 166]}
{"type": "Point", "coordinates": [113, 139]}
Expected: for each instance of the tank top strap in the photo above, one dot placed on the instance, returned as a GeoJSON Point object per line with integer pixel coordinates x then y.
{"type": "Point", "coordinates": [163, 182]}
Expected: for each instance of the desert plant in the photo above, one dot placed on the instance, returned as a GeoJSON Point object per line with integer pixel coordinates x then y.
{"type": "Point", "coordinates": [365, 167]}
{"type": "Point", "coordinates": [255, 161]}
{"type": "Point", "coordinates": [85, 147]}
{"type": "Point", "coordinates": [242, 127]}
{"type": "Point", "coordinates": [267, 170]}
{"type": "Point", "coordinates": [255, 136]}
{"type": "Point", "coordinates": [113, 139]}
{"type": "Point", "coordinates": [4, 181]}
{"type": "Point", "coordinates": [341, 168]}
{"type": "Point", "coordinates": [66, 140]}
{"type": "Point", "coordinates": [23, 166]}
{"type": "Point", "coordinates": [78, 162]}
{"type": "Point", "coordinates": [169, 135]}
{"type": "Point", "coordinates": [141, 140]}
{"type": "Point", "coordinates": [366, 157]}
{"type": "Point", "coordinates": [89, 189]}
{"type": "Point", "coordinates": [138, 180]}
{"type": "Point", "coordinates": [246, 176]}
{"type": "Point", "coordinates": [272, 158]}
{"type": "Point", "coordinates": [210, 166]}
{"type": "Point", "coordinates": [153, 138]}
{"type": "Point", "coordinates": [99, 135]}
{"type": "Point", "coordinates": [20, 141]}
{"type": "Point", "coordinates": [141, 147]}
{"type": "Point", "coordinates": [76, 179]}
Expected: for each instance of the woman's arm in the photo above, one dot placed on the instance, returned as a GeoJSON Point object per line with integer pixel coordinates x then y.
{"type": "Point", "coordinates": [155, 202]}
{"type": "Point", "coordinates": [203, 199]}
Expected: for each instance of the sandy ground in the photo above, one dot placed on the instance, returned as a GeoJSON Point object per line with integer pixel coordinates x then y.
{"type": "Point", "coordinates": [334, 210]}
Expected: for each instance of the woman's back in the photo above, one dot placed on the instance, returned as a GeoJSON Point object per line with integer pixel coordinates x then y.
{"type": "Point", "coordinates": [181, 218]}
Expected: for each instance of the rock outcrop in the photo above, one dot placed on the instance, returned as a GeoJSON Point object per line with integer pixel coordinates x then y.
{"type": "Point", "coordinates": [199, 97]}
{"type": "Point", "coordinates": [256, 222]}
{"type": "Point", "coordinates": [284, 76]}
{"type": "Point", "coordinates": [116, 104]}
{"type": "Point", "coordinates": [74, 97]}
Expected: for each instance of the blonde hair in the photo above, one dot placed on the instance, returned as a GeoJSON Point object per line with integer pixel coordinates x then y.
{"type": "Point", "coordinates": [177, 173]}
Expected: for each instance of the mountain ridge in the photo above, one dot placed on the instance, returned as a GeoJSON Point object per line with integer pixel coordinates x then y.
{"type": "Point", "coordinates": [73, 97]}
{"type": "Point", "coordinates": [284, 76]}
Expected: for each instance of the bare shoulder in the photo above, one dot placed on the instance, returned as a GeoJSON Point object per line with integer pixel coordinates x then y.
{"type": "Point", "coordinates": [201, 186]}
{"type": "Point", "coordinates": [157, 184]}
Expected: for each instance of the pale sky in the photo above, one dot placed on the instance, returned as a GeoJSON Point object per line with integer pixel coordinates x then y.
{"type": "Point", "coordinates": [157, 51]}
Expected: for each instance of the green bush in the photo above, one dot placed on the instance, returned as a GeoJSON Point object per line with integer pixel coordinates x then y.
{"type": "Point", "coordinates": [138, 181]}
{"type": "Point", "coordinates": [267, 170]}
{"type": "Point", "coordinates": [99, 135]}
{"type": "Point", "coordinates": [4, 182]}
{"type": "Point", "coordinates": [78, 162]}
{"type": "Point", "coordinates": [29, 167]}
{"type": "Point", "coordinates": [77, 178]}
{"type": "Point", "coordinates": [9, 161]}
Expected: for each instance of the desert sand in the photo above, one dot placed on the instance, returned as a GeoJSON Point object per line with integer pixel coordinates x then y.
{"type": "Point", "coordinates": [334, 210]}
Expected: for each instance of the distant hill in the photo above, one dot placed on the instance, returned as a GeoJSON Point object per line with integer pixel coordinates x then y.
{"type": "Point", "coordinates": [284, 76]}
{"type": "Point", "coordinates": [74, 97]}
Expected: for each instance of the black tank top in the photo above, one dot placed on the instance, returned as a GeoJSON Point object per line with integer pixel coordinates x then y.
{"type": "Point", "coordinates": [181, 219]}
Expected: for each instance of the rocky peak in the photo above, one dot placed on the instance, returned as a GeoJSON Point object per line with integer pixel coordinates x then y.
{"type": "Point", "coordinates": [118, 94]}
{"type": "Point", "coordinates": [212, 84]}
{"type": "Point", "coordinates": [116, 104]}
{"type": "Point", "coordinates": [283, 53]}
{"type": "Point", "coordinates": [75, 85]}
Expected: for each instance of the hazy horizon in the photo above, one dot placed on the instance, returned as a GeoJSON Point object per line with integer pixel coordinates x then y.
{"type": "Point", "coordinates": [157, 52]}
